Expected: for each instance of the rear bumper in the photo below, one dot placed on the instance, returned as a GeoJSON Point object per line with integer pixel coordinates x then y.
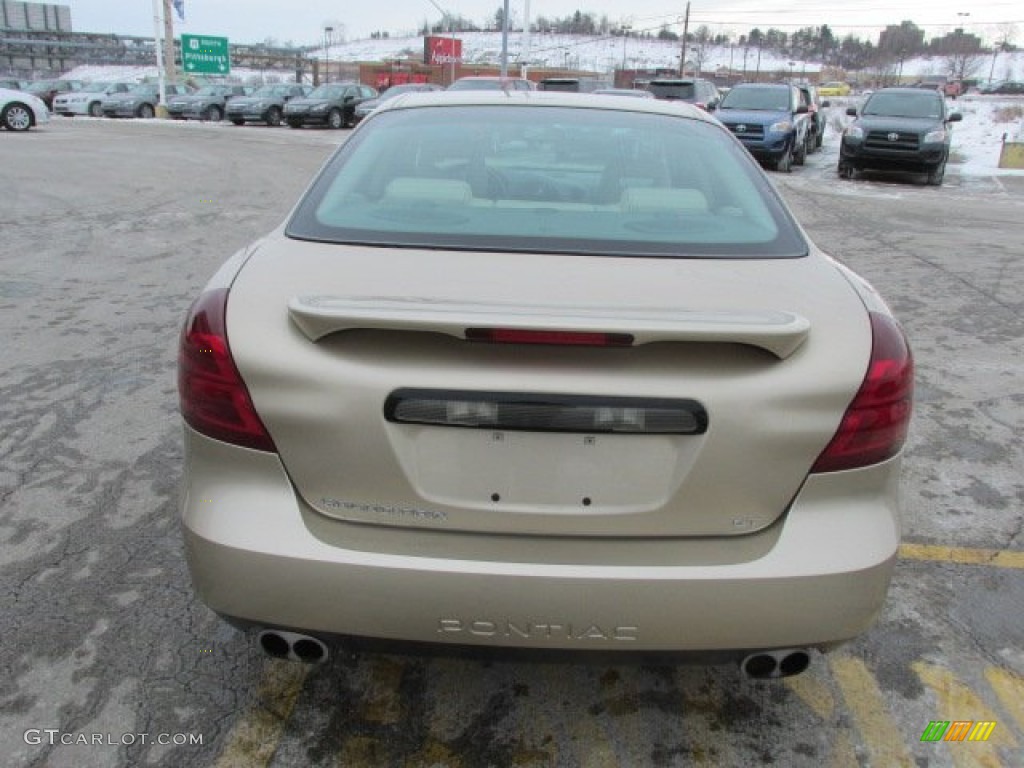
{"type": "Point", "coordinates": [817, 577]}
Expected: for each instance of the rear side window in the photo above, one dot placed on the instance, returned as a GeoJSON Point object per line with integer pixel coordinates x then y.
{"type": "Point", "coordinates": [685, 91]}
{"type": "Point", "coordinates": [548, 179]}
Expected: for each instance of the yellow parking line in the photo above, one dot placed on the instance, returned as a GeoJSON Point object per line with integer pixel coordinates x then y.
{"type": "Point", "coordinates": [1009, 687]}
{"type": "Point", "coordinates": [870, 712]}
{"type": "Point", "coordinates": [998, 558]}
{"type": "Point", "coordinates": [958, 702]}
{"type": "Point", "coordinates": [255, 737]}
{"type": "Point", "coordinates": [816, 695]}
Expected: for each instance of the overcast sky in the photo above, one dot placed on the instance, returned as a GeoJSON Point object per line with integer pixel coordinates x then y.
{"type": "Point", "coordinates": [302, 21]}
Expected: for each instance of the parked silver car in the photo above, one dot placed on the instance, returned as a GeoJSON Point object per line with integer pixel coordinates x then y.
{"type": "Point", "coordinates": [20, 111]}
{"type": "Point", "coordinates": [141, 100]}
{"type": "Point", "coordinates": [89, 100]}
{"type": "Point", "coordinates": [265, 104]}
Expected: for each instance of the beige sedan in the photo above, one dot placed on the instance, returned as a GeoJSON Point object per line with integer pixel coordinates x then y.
{"type": "Point", "coordinates": [543, 371]}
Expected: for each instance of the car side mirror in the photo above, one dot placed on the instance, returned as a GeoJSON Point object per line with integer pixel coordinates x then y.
{"type": "Point", "coordinates": [851, 111]}
{"type": "Point", "coordinates": [956, 117]}
{"type": "Point", "coordinates": [349, 98]}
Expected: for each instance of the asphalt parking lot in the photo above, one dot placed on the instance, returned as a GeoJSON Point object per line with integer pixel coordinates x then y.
{"type": "Point", "coordinates": [109, 231]}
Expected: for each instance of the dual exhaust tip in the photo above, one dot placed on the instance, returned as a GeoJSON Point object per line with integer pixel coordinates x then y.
{"type": "Point", "coordinates": [293, 646]}
{"type": "Point", "coordinates": [770, 664]}
{"type": "Point", "coordinates": [763, 665]}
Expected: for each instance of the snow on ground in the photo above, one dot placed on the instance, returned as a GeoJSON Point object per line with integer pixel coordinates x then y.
{"type": "Point", "coordinates": [979, 137]}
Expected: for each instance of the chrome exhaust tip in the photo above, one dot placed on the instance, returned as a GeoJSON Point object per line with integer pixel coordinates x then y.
{"type": "Point", "coordinates": [280, 644]}
{"type": "Point", "coordinates": [781, 663]}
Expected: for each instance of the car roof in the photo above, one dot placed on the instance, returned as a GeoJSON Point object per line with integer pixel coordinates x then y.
{"type": "Point", "coordinates": [491, 77]}
{"type": "Point", "coordinates": [916, 91]}
{"type": "Point", "coordinates": [544, 99]}
{"type": "Point", "coordinates": [762, 85]}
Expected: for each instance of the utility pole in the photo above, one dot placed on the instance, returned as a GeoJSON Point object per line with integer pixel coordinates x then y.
{"type": "Point", "coordinates": [686, 33]}
{"type": "Point", "coordinates": [504, 40]}
{"type": "Point", "coordinates": [159, 51]}
{"type": "Point", "coordinates": [171, 70]}
{"type": "Point", "coordinates": [526, 40]}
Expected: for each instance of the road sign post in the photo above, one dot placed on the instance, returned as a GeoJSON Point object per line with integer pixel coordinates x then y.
{"type": "Point", "coordinates": [205, 55]}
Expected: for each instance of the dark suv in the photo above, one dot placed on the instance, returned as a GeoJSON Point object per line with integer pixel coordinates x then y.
{"type": "Point", "coordinates": [692, 90]}
{"type": "Point", "coordinates": [771, 120]}
{"type": "Point", "coordinates": [898, 129]}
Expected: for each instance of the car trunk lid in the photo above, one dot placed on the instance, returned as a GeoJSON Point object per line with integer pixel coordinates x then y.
{"type": "Point", "coordinates": [327, 337]}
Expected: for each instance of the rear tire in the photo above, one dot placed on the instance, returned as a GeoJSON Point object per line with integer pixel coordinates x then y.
{"type": "Point", "coordinates": [335, 120]}
{"type": "Point", "coordinates": [145, 111]}
{"type": "Point", "coordinates": [274, 116]}
{"type": "Point", "coordinates": [212, 113]}
{"type": "Point", "coordinates": [96, 109]}
{"type": "Point", "coordinates": [845, 171]}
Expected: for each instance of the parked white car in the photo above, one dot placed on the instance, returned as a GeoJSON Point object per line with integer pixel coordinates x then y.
{"type": "Point", "coordinates": [88, 101]}
{"type": "Point", "coordinates": [19, 111]}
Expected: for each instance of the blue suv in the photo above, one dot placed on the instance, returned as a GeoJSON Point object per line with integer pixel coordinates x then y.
{"type": "Point", "coordinates": [771, 120]}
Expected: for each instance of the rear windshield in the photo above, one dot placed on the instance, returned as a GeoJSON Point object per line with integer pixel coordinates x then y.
{"type": "Point", "coordinates": [547, 179]}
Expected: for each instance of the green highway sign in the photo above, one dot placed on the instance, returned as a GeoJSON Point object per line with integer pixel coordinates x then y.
{"type": "Point", "coordinates": [201, 54]}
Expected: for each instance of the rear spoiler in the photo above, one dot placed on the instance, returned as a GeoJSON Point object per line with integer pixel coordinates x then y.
{"type": "Point", "coordinates": [778, 332]}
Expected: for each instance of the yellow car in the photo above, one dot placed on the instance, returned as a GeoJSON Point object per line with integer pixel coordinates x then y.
{"type": "Point", "coordinates": [834, 89]}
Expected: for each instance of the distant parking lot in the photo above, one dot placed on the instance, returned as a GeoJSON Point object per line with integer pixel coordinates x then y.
{"type": "Point", "coordinates": [110, 229]}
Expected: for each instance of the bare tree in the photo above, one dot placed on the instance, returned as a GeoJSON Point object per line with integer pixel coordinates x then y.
{"type": "Point", "coordinates": [1005, 34]}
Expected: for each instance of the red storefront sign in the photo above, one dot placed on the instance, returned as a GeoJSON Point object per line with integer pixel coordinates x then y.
{"type": "Point", "coordinates": [442, 50]}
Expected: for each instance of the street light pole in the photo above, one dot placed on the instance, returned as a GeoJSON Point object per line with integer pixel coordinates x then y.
{"type": "Point", "coordinates": [327, 41]}
{"type": "Point", "coordinates": [625, 36]}
{"type": "Point", "coordinates": [686, 33]}
{"type": "Point", "coordinates": [161, 74]}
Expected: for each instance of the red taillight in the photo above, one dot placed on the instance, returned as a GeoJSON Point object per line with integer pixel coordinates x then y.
{"type": "Point", "coordinates": [875, 424]}
{"type": "Point", "coordinates": [214, 399]}
{"type": "Point", "coordinates": [556, 338]}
